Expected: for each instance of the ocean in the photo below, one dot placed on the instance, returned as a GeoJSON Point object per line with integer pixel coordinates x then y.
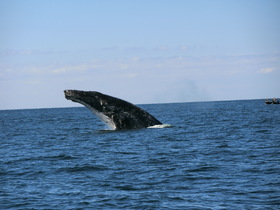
{"type": "Point", "coordinates": [216, 155]}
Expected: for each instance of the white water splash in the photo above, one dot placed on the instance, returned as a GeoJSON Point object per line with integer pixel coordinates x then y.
{"type": "Point", "coordinates": [161, 126]}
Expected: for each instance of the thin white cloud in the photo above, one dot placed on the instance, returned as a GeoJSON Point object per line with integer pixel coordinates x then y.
{"type": "Point", "coordinates": [132, 75]}
{"type": "Point", "coordinates": [267, 70]}
{"type": "Point", "coordinates": [162, 48]}
{"type": "Point", "coordinates": [75, 68]}
{"type": "Point", "coordinates": [183, 47]}
{"type": "Point", "coordinates": [4, 53]}
{"type": "Point", "coordinates": [33, 82]}
{"type": "Point", "coordinates": [158, 78]}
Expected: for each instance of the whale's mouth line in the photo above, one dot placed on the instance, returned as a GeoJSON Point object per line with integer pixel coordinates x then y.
{"type": "Point", "coordinates": [68, 94]}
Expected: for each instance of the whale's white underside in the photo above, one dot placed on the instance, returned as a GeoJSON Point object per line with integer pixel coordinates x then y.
{"type": "Point", "coordinates": [107, 120]}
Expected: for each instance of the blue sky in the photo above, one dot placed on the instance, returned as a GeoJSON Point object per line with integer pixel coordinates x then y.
{"type": "Point", "coordinates": [142, 51]}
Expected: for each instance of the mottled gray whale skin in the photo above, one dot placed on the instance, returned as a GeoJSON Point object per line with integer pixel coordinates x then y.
{"type": "Point", "coordinates": [117, 113]}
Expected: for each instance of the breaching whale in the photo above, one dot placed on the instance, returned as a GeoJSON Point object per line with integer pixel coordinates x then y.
{"type": "Point", "coordinates": [115, 112]}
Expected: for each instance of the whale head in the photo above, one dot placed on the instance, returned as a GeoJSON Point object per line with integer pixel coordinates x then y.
{"type": "Point", "coordinates": [95, 102]}
{"type": "Point", "coordinates": [87, 98]}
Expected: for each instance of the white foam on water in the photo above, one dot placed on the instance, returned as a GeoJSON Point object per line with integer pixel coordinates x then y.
{"type": "Point", "coordinates": [161, 126]}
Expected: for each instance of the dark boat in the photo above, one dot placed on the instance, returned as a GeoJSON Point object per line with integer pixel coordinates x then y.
{"type": "Point", "coordinates": [273, 101]}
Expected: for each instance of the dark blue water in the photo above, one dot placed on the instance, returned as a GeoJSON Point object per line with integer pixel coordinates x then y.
{"type": "Point", "coordinates": [218, 155]}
